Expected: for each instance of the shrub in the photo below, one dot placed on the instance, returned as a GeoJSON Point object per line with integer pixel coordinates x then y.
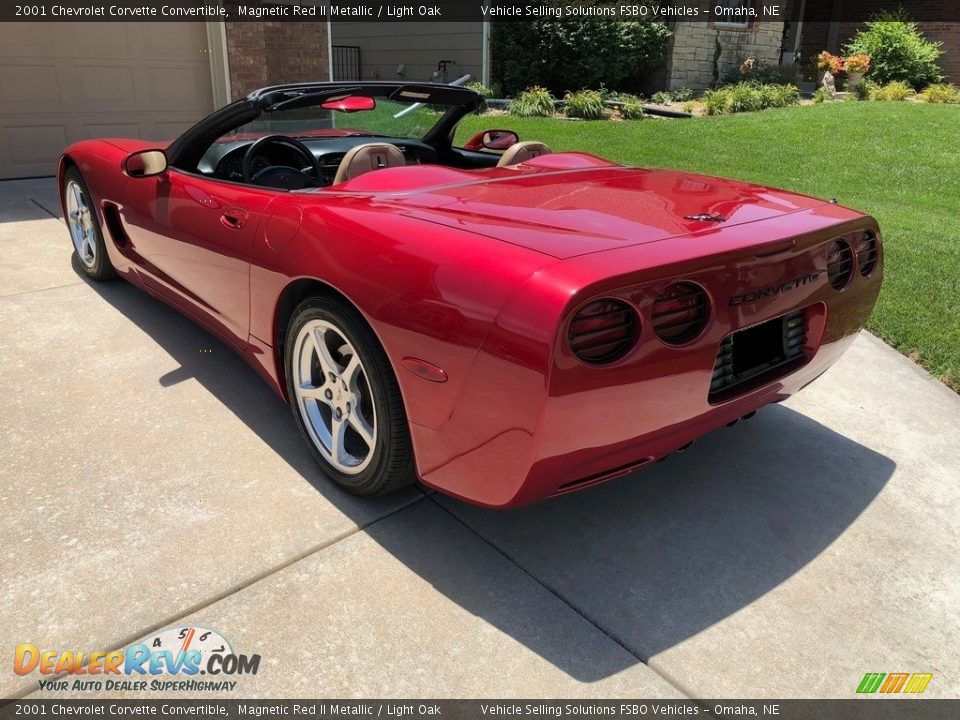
{"type": "Point", "coordinates": [941, 93]}
{"type": "Point", "coordinates": [821, 96]}
{"type": "Point", "coordinates": [586, 104]}
{"type": "Point", "coordinates": [749, 97]}
{"type": "Point", "coordinates": [662, 98]}
{"type": "Point", "coordinates": [891, 92]}
{"type": "Point", "coordinates": [479, 87]}
{"type": "Point", "coordinates": [532, 102]}
{"type": "Point", "coordinates": [862, 91]}
{"type": "Point", "coordinates": [744, 97]}
{"type": "Point", "coordinates": [898, 51]}
{"type": "Point", "coordinates": [682, 95]}
{"type": "Point", "coordinates": [631, 108]}
{"type": "Point", "coordinates": [778, 96]}
{"type": "Point", "coordinates": [716, 102]}
{"type": "Point", "coordinates": [614, 53]}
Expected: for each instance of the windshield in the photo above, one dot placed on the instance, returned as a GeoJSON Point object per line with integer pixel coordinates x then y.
{"type": "Point", "coordinates": [390, 118]}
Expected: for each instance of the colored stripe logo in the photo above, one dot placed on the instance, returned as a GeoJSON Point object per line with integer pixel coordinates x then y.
{"type": "Point", "coordinates": [890, 683]}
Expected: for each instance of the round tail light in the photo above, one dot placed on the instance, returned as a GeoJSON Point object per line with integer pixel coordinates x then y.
{"type": "Point", "coordinates": [680, 313]}
{"type": "Point", "coordinates": [603, 331]}
{"type": "Point", "coordinates": [839, 264]}
{"type": "Point", "coordinates": [867, 254]}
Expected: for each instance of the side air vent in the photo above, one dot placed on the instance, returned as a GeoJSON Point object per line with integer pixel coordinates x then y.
{"type": "Point", "coordinates": [111, 214]}
{"type": "Point", "coordinates": [839, 264]}
{"type": "Point", "coordinates": [680, 313]}
{"type": "Point", "coordinates": [603, 331]}
{"type": "Point", "coordinates": [867, 253]}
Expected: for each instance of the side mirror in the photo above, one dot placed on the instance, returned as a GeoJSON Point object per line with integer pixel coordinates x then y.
{"type": "Point", "coordinates": [145, 163]}
{"type": "Point", "coordinates": [492, 140]}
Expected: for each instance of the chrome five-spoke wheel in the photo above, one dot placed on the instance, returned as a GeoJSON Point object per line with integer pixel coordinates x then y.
{"type": "Point", "coordinates": [84, 226]}
{"type": "Point", "coordinates": [80, 221]}
{"type": "Point", "coordinates": [334, 395]}
{"type": "Point", "coordinates": [345, 398]}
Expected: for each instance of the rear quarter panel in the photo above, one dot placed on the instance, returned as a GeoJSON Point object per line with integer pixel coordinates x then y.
{"type": "Point", "coordinates": [427, 291]}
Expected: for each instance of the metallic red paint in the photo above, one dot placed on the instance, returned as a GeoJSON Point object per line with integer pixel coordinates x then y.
{"type": "Point", "coordinates": [477, 274]}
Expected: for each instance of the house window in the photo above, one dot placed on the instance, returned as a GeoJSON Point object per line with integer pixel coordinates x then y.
{"type": "Point", "coordinates": [732, 13]}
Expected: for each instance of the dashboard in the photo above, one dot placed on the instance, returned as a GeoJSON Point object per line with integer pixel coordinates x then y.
{"type": "Point", "coordinates": [224, 159]}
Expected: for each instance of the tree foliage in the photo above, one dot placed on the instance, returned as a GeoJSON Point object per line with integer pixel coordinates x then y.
{"type": "Point", "coordinates": [898, 51]}
{"type": "Point", "coordinates": [568, 54]}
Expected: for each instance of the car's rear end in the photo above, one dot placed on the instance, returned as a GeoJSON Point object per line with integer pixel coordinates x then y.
{"type": "Point", "coordinates": [613, 359]}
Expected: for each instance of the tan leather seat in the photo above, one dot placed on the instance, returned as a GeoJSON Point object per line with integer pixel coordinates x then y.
{"type": "Point", "coordinates": [523, 151]}
{"type": "Point", "coordinates": [367, 157]}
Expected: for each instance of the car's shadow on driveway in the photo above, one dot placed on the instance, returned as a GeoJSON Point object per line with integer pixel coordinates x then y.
{"type": "Point", "coordinates": [652, 558]}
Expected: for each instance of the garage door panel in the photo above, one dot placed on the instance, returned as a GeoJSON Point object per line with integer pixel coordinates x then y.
{"type": "Point", "coordinates": [105, 83]}
{"type": "Point", "coordinates": [63, 82]}
{"type": "Point", "coordinates": [33, 39]}
{"type": "Point", "coordinates": [29, 88]}
{"type": "Point", "coordinates": [31, 144]}
{"type": "Point", "coordinates": [163, 40]}
{"type": "Point", "coordinates": [182, 86]}
{"type": "Point", "coordinates": [98, 40]}
{"type": "Point", "coordinates": [170, 129]}
{"type": "Point", "coordinates": [111, 130]}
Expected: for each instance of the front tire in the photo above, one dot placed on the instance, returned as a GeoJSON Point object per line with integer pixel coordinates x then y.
{"type": "Point", "coordinates": [84, 226]}
{"type": "Point", "coordinates": [345, 399]}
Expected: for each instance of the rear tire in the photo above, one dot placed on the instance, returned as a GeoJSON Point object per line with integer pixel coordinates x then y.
{"type": "Point", "coordinates": [84, 226]}
{"type": "Point", "coordinates": [345, 399]}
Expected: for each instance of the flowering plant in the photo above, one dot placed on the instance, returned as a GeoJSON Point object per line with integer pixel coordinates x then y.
{"type": "Point", "coordinates": [859, 63]}
{"type": "Point", "coordinates": [828, 61]}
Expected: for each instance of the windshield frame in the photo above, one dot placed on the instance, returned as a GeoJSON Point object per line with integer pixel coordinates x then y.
{"type": "Point", "coordinates": [186, 151]}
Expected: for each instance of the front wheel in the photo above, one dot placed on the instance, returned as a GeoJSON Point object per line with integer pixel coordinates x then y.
{"type": "Point", "coordinates": [84, 227]}
{"type": "Point", "coordinates": [346, 400]}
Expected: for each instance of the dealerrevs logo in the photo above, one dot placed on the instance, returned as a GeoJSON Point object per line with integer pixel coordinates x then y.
{"type": "Point", "coordinates": [171, 660]}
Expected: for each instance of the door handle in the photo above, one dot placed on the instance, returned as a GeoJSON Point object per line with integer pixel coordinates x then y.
{"type": "Point", "coordinates": [234, 218]}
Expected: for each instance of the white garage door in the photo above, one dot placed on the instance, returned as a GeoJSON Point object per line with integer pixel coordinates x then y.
{"type": "Point", "coordinates": [62, 82]}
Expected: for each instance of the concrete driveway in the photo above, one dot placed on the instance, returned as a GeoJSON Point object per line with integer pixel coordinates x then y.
{"type": "Point", "coordinates": [149, 479]}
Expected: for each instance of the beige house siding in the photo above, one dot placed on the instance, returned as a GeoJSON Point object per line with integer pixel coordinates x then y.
{"type": "Point", "coordinates": [692, 48]}
{"type": "Point", "coordinates": [418, 46]}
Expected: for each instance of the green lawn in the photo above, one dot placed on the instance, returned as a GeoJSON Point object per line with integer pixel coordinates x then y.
{"type": "Point", "coordinates": [900, 162]}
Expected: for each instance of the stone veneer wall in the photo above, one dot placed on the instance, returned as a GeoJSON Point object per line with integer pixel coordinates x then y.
{"type": "Point", "coordinates": [691, 51]}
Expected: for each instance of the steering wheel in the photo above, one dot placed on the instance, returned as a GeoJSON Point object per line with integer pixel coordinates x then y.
{"type": "Point", "coordinates": [282, 176]}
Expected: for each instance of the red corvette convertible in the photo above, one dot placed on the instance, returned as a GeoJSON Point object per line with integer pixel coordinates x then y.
{"type": "Point", "coordinates": [502, 322]}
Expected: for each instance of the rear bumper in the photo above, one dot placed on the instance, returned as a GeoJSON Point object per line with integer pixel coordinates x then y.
{"type": "Point", "coordinates": [534, 422]}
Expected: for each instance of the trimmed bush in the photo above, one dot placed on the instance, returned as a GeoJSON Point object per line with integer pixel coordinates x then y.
{"type": "Point", "coordinates": [586, 104]}
{"type": "Point", "coordinates": [532, 102]}
{"type": "Point", "coordinates": [891, 92]}
{"type": "Point", "coordinates": [821, 96]}
{"type": "Point", "coordinates": [898, 51]}
{"type": "Point", "coordinates": [942, 94]}
{"type": "Point", "coordinates": [749, 97]}
{"type": "Point", "coordinates": [662, 98]}
{"type": "Point", "coordinates": [779, 96]}
{"type": "Point", "coordinates": [632, 107]}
